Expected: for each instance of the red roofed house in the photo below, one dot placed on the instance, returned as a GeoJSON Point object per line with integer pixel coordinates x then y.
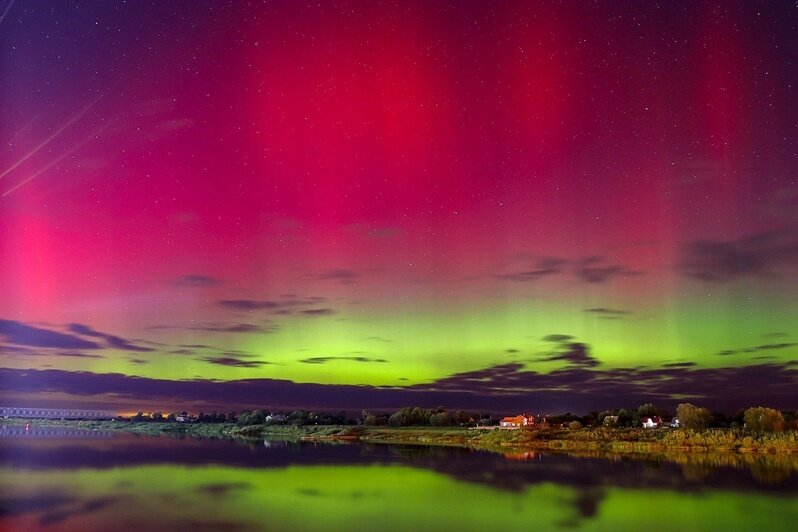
{"type": "Point", "coordinates": [516, 422]}
{"type": "Point", "coordinates": [652, 422]}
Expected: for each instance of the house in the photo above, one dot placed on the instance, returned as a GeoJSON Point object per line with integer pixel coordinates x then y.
{"type": "Point", "coordinates": [610, 421]}
{"type": "Point", "coordinates": [675, 423]}
{"type": "Point", "coordinates": [516, 422]}
{"type": "Point", "coordinates": [652, 422]}
{"type": "Point", "coordinates": [276, 418]}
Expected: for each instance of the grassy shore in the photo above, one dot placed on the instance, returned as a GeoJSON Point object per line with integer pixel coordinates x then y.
{"type": "Point", "coordinates": [583, 440]}
{"type": "Point", "coordinates": [590, 439]}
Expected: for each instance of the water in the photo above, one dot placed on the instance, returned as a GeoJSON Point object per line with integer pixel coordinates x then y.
{"type": "Point", "coordinates": [113, 481]}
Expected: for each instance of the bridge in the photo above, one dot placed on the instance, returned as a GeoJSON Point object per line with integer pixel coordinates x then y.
{"type": "Point", "coordinates": [52, 413]}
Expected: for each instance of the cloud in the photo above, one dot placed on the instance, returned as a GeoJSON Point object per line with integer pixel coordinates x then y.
{"type": "Point", "coordinates": [581, 389]}
{"type": "Point", "coordinates": [233, 328]}
{"type": "Point", "coordinates": [557, 338]}
{"type": "Point", "coordinates": [8, 349]}
{"type": "Point", "coordinates": [379, 339]}
{"type": "Point", "coordinates": [604, 311]}
{"type": "Point", "coordinates": [79, 355]}
{"type": "Point", "coordinates": [197, 281]}
{"type": "Point", "coordinates": [342, 276]}
{"type": "Point", "coordinates": [248, 304]}
{"type": "Point", "coordinates": [324, 360]}
{"type": "Point", "coordinates": [761, 255]}
{"type": "Point", "coordinates": [757, 348]}
{"type": "Point", "coordinates": [775, 335]}
{"type": "Point", "coordinates": [23, 351]}
{"type": "Point", "coordinates": [544, 266]}
{"type": "Point", "coordinates": [285, 305]}
{"type": "Point", "coordinates": [234, 362]}
{"type": "Point", "coordinates": [114, 342]}
{"type": "Point", "coordinates": [19, 333]}
{"type": "Point", "coordinates": [502, 388]}
{"type": "Point", "coordinates": [593, 269]}
{"type": "Point", "coordinates": [596, 270]}
{"type": "Point", "coordinates": [575, 353]}
{"type": "Point", "coordinates": [218, 327]}
{"type": "Point", "coordinates": [318, 311]}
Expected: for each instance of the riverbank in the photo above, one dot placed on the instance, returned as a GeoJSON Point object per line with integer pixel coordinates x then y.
{"type": "Point", "coordinates": [497, 440]}
{"type": "Point", "coordinates": [590, 439]}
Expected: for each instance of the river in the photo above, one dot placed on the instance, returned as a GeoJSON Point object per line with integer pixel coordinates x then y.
{"type": "Point", "coordinates": [81, 481]}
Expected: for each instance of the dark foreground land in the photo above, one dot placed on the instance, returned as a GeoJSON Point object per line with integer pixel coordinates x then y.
{"type": "Point", "coordinates": [497, 440]}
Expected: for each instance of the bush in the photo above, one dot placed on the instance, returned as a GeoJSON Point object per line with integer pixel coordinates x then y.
{"type": "Point", "coordinates": [574, 425]}
{"type": "Point", "coordinates": [441, 419]}
{"type": "Point", "coordinates": [762, 419]}
{"type": "Point", "coordinates": [693, 417]}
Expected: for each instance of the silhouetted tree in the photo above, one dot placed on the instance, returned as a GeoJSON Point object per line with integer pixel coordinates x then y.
{"type": "Point", "coordinates": [762, 419]}
{"type": "Point", "coordinates": [374, 420]}
{"type": "Point", "coordinates": [693, 417]}
{"type": "Point", "coordinates": [626, 418]}
{"type": "Point", "coordinates": [790, 419]}
{"type": "Point", "coordinates": [461, 417]}
{"type": "Point", "coordinates": [258, 417]}
{"type": "Point", "coordinates": [441, 419]}
{"type": "Point", "coordinates": [601, 416]}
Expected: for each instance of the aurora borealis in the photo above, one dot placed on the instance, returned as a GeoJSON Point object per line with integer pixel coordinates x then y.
{"type": "Point", "coordinates": [535, 205]}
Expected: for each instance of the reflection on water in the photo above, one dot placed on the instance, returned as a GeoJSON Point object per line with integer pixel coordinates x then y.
{"type": "Point", "coordinates": [33, 431]}
{"type": "Point", "coordinates": [125, 482]}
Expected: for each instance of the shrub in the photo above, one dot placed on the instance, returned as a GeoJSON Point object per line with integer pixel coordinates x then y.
{"type": "Point", "coordinates": [693, 417]}
{"type": "Point", "coordinates": [762, 419]}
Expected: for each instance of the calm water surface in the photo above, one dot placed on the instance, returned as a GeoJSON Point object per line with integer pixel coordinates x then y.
{"type": "Point", "coordinates": [73, 480]}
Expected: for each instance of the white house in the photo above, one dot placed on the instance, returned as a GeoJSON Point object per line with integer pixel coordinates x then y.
{"type": "Point", "coordinates": [652, 422]}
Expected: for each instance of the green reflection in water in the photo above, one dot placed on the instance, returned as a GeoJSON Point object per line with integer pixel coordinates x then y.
{"type": "Point", "coordinates": [356, 498]}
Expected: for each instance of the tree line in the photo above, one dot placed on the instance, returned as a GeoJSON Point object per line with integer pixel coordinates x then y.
{"type": "Point", "coordinates": [247, 417]}
{"type": "Point", "coordinates": [692, 417]}
{"type": "Point", "coordinates": [415, 416]}
{"type": "Point", "coordinates": [404, 417]}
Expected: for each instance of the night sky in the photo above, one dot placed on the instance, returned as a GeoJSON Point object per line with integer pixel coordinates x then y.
{"type": "Point", "coordinates": [520, 206]}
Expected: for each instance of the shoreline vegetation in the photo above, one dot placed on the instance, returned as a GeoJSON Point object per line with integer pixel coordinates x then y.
{"type": "Point", "coordinates": [505, 441]}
